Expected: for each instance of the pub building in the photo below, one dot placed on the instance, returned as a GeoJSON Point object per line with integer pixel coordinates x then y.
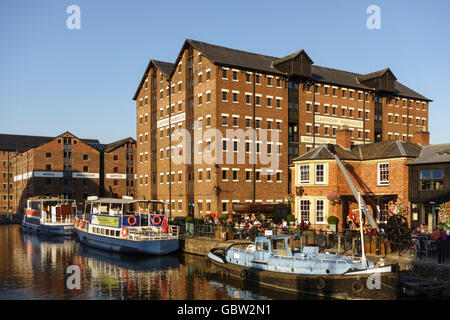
{"type": "Point", "coordinates": [429, 184]}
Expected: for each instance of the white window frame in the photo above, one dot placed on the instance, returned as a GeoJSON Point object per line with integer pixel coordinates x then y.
{"type": "Point", "coordinates": [323, 211]}
{"type": "Point", "coordinates": [300, 181]}
{"type": "Point", "coordinates": [324, 173]}
{"type": "Point", "coordinates": [300, 211]}
{"type": "Point", "coordinates": [379, 181]}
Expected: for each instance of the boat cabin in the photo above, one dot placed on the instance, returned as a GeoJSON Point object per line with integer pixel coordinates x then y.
{"type": "Point", "coordinates": [119, 217]}
{"type": "Point", "coordinates": [285, 246]}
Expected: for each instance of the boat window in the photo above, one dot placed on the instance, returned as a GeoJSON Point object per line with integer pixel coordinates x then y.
{"type": "Point", "coordinates": [265, 246]}
{"type": "Point", "coordinates": [258, 246]}
{"type": "Point", "coordinates": [277, 244]}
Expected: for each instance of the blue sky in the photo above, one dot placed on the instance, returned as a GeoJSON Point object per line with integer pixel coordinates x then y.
{"type": "Point", "coordinates": [53, 79]}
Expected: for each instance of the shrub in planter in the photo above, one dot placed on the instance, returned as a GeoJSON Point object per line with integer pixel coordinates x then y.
{"type": "Point", "coordinates": [332, 220]}
{"type": "Point", "coordinates": [290, 218]}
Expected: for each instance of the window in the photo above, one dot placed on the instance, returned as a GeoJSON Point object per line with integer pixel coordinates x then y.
{"type": "Point", "coordinates": [224, 120]}
{"type": "Point", "coordinates": [247, 77]}
{"type": "Point", "coordinates": [85, 157]}
{"type": "Point", "coordinates": [431, 180]}
{"type": "Point", "coordinates": [224, 73]}
{"type": "Point", "coordinates": [48, 155]}
{"type": "Point", "coordinates": [85, 168]}
{"type": "Point", "coordinates": [383, 174]}
{"type": "Point", "coordinates": [48, 167]}
{"type": "Point", "coordinates": [320, 173]}
{"type": "Point", "coordinates": [116, 157]}
{"type": "Point", "coordinates": [224, 175]}
{"type": "Point", "coordinates": [320, 211]}
{"type": "Point", "coordinates": [235, 75]}
{"type": "Point", "coordinates": [304, 173]}
{"type": "Point", "coordinates": [235, 97]}
{"type": "Point", "coordinates": [304, 208]}
{"type": "Point", "coordinates": [224, 96]}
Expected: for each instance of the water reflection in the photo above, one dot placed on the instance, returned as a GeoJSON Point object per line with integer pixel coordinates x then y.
{"type": "Point", "coordinates": [34, 267]}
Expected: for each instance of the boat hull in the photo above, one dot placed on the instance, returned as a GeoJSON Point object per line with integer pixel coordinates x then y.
{"type": "Point", "coordinates": [370, 286]}
{"type": "Point", "coordinates": [51, 230]}
{"type": "Point", "coordinates": [151, 247]}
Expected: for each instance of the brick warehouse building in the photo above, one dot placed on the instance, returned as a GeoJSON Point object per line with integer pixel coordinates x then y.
{"type": "Point", "coordinates": [225, 88]}
{"type": "Point", "coordinates": [67, 166]}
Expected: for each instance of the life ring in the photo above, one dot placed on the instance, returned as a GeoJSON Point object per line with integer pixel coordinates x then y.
{"type": "Point", "coordinates": [81, 224]}
{"type": "Point", "coordinates": [159, 220]}
{"type": "Point", "coordinates": [357, 286]}
{"type": "Point", "coordinates": [124, 232]}
{"type": "Point", "coordinates": [134, 220]}
{"type": "Point", "coordinates": [320, 283]}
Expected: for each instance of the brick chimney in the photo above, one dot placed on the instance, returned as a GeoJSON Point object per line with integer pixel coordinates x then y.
{"type": "Point", "coordinates": [344, 137]}
{"type": "Point", "coordinates": [421, 137]}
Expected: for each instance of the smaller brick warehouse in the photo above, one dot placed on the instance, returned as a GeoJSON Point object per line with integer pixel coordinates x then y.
{"type": "Point", "coordinates": [65, 166]}
{"type": "Point", "coordinates": [379, 170]}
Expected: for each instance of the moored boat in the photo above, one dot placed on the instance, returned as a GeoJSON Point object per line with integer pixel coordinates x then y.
{"type": "Point", "coordinates": [281, 262]}
{"type": "Point", "coordinates": [127, 225]}
{"type": "Point", "coordinates": [49, 216]}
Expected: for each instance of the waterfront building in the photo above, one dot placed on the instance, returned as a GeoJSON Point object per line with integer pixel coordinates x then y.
{"type": "Point", "coordinates": [219, 88]}
{"type": "Point", "coordinates": [379, 170]}
{"type": "Point", "coordinates": [65, 166]}
{"type": "Point", "coordinates": [429, 184]}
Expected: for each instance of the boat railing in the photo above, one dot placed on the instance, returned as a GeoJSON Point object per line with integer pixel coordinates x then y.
{"type": "Point", "coordinates": [47, 218]}
{"type": "Point", "coordinates": [152, 233]}
{"type": "Point", "coordinates": [337, 261]}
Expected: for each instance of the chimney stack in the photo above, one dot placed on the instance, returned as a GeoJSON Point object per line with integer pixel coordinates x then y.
{"type": "Point", "coordinates": [344, 137]}
{"type": "Point", "coordinates": [422, 137]}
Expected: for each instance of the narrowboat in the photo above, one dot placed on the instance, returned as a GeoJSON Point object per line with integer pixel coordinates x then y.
{"type": "Point", "coordinates": [50, 216]}
{"type": "Point", "coordinates": [282, 262]}
{"type": "Point", "coordinates": [127, 225]}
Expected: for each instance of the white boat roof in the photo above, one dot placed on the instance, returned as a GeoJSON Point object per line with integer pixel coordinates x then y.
{"type": "Point", "coordinates": [122, 201]}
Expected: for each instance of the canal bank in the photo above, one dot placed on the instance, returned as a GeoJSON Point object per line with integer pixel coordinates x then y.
{"type": "Point", "coordinates": [10, 218]}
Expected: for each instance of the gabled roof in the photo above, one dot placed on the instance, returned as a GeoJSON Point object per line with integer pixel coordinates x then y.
{"type": "Point", "coordinates": [22, 143]}
{"type": "Point", "coordinates": [244, 60]}
{"type": "Point", "coordinates": [438, 153]}
{"type": "Point", "coordinates": [114, 145]}
{"type": "Point", "coordinates": [291, 57]}
{"type": "Point", "coordinates": [376, 74]}
{"type": "Point", "coordinates": [372, 151]}
{"type": "Point", "coordinates": [164, 67]}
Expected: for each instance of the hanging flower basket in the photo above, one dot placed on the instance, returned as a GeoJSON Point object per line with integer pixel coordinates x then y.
{"type": "Point", "coordinates": [400, 208]}
{"type": "Point", "coordinates": [334, 198]}
{"type": "Point", "coordinates": [444, 212]}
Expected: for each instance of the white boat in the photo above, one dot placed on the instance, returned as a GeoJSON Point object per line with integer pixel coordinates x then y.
{"type": "Point", "coordinates": [49, 216]}
{"type": "Point", "coordinates": [127, 225]}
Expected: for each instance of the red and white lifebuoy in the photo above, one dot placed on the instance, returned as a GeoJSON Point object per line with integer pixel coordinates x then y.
{"type": "Point", "coordinates": [124, 232]}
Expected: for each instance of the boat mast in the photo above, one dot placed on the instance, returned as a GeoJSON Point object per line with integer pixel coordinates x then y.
{"type": "Point", "coordinates": [360, 209]}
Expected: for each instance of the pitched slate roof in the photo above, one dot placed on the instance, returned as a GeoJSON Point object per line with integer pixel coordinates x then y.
{"type": "Point", "coordinates": [433, 154]}
{"type": "Point", "coordinates": [256, 62]}
{"type": "Point", "coordinates": [164, 67]}
{"type": "Point", "coordinates": [114, 145]}
{"type": "Point", "coordinates": [372, 151]}
{"type": "Point", "coordinates": [22, 143]}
